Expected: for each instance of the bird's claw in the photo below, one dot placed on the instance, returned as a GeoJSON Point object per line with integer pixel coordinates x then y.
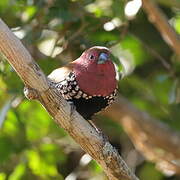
{"type": "Point", "coordinates": [30, 93]}
{"type": "Point", "coordinates": [99, 131]}
{"type": "Point", "coordinates": [72, 106]}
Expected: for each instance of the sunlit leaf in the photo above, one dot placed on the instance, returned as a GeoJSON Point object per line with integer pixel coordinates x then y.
{"type": "Point", "coordinates": [29, 13]}
{"type": "Point", "coordinates": [136, 48]}
{"type": "Point", "coordinates": [177, 24]}
{"type": "Point", "coordinates": [11, 125]}
{"type": "Point", "coordinates": [95, 166]}
{"type": "Point", "coordinates": [18, 172]}
{"type": "Point", "coordinates": [2, 176]}
{"type": "Point", "coordinates": [39, 166]}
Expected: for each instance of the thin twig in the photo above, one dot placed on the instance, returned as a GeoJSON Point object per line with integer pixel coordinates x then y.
{"type": "Point", "coordinates": [158, 56]}
{"type": "Point", "coordinates": [157, 17]}
{"type": "Point", "coordinates": [4, 110]}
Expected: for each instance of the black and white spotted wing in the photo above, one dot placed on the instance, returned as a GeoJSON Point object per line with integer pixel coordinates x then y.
{"type": "Point", "coordinates": [85, 104]}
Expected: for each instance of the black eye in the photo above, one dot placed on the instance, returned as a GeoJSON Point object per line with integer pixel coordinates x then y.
{"type": "Point", "coordinates": [91, 57]}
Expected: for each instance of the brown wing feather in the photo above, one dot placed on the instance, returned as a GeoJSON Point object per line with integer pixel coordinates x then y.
{"type": "Point", "coordinates": [61, 73]}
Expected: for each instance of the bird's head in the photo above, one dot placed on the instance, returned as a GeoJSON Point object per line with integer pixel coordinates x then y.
{"type": "Point", "coordinates": [95, 71]}
{"type": "Point", "coordinates": [96, 55]}
{"type": "Point", "coordinates": [95, 59]}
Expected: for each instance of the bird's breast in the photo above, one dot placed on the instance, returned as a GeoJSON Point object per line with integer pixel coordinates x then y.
{"type": "Point", "coordinates": [97, 83]}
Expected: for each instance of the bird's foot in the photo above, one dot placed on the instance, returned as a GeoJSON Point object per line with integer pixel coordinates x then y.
{"type": "Point", "coordinates": [73, 107]}
{"type": "Point", "coordinates": [99, 131]}
{"type": "Point", "coordinates": [30, 93]}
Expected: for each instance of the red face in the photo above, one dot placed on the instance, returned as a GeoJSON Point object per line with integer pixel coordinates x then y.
{"type": "Point", "coordinates": [96, 55]}
{"type": "Point", "coordinates": [95, 72]}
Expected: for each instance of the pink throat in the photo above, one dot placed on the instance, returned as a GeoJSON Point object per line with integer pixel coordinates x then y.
{"type": "Point", "coordinates": [96, 79]}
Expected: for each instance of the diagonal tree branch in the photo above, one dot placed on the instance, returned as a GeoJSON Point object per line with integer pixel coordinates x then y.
{"type": "Point", "coordinates": [157, 17]}
{"type": "Point", "coordinates": [156, 141]}
{"type": "Point", "coordinates": [171, 3]}
{"type": "Point", "coordinates": [81, 131]}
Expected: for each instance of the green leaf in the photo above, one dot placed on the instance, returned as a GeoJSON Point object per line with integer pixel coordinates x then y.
{"type": "Point", "coordinates": [18, 172]}
{"type": "Point", "coordinates": [136, 48]}
{"type": "Point", "coordinates": [29, 12]}
{"type": "Point", "coordinates": [11, 125]}
{"type": "Point", "coordinates": [2, 176]}
{"type": "Point", "coordinates": [39, 166]}
{"type": "Point", "coordinates": [95, 167]}
{"type": "Point", "coordinates": [148, 172]}
{"type": "Point", "coordinates": [177, 24]}
{"type": "Point", "coordinates": [6, 148]}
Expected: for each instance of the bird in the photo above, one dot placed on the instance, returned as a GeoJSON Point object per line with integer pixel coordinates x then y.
{"type": "Point", "coordinates": [89, 82]}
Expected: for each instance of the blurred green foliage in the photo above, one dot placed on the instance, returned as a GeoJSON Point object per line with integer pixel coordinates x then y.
{"type": "Point", "coordinates": [56, 32]}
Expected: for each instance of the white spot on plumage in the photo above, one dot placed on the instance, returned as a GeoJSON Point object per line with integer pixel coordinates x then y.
{"type": "Point", "coordinates": [73, 91]}
{"type": "Point", "coordinates": [80, 92]}
{"type": "Point", "coordinates": [77, 88]}
{"type": "Point", "coordinates": [77, 96]}
{"type": "Point", "coordinates": [84, 95]}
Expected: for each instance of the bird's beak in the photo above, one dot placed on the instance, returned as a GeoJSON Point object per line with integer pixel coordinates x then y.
{"type": "Point", "coordinates": [103, 57]}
